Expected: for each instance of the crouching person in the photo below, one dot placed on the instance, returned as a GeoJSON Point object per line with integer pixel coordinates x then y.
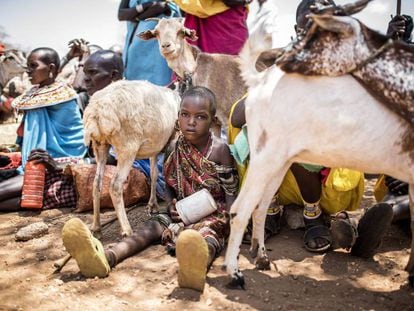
{"type": "Point", "coordinates": [199, 160]}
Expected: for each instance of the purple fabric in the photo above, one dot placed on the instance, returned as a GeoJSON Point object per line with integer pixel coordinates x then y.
{"type": "Point", "coordinates": [223, 33]}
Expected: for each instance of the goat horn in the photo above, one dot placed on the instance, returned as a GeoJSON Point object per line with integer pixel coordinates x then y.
{"type": "Point", "coordinates": [155, 19]}
{"type": "Point", "coordinates": [353, 8]}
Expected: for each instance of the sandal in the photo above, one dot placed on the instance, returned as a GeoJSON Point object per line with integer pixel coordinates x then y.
{"type": "Point", "coordinates": [343, 231]}
{"type": "Point", "coordinates": [192, 256]}
{"type": "Point", "coordinates": [315, 229]}
{"type": "Point", "coordinates": [85, 249]}
{"type": "Point", "coordinates": [371, 229]}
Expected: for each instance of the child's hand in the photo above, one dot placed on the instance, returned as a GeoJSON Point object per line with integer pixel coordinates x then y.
{"type": "Point", "coordinates": [173, 211]}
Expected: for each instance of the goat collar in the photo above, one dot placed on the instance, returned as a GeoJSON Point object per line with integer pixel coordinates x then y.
{"type": "Point", "coordinates": [373, 55]}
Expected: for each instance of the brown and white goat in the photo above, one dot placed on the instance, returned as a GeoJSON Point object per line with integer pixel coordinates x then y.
{"type": "Point", "coordinates": [332, 121]}
{"type": "Point", "coordinates": [12, 63]}
{"type": "Point", "coordinates": [137, 118]}
{"type": "Point", "coordinates": [218, 72]}
{"type": "Point", "coordinates": [13, 80]}
{"type": "Point", "coordinates": [338, 45]}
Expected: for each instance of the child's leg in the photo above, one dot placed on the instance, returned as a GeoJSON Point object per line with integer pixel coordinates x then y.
{"type": "Point", "coordinates": [309, 183]}
{"type": "Point", "coordinates": [197, 249]}
{"type": "Point", "coordinates": [149, 233]}
{"type": "Point", "coordinates": [317, 237]}
{"type": "Point", "coordinates": [82, 246]}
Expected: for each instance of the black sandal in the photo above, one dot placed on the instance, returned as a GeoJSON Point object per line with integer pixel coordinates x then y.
{"type": "Point", "coordinates": [371, 229]}
{"type": "Point", "coordinates": [316, 229]}
{"type": "Point", "coordinates": [343, 231]}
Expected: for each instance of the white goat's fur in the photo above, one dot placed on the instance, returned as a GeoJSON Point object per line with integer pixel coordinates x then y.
{"type": "Point", "coordinates": [332, 121]}
{"type": "Point", "coordinates": [137, 118]}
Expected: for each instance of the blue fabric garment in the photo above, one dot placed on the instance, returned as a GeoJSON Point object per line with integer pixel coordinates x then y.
{"type": "Point", "coordinates": [142, 59]}
{"type": "Point", "coordinates": [58, 129]}
{"type": "Point", "coordinates": [145, 168]}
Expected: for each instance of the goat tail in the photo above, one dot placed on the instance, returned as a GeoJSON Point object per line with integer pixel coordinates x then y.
{"type": "Point", "coordinates": [91, 128]}
{"type": "Point", "coordinates": [260, 40]}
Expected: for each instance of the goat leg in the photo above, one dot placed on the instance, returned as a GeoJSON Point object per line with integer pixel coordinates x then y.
{"type": "Point", "coordinates": [116, 188]}
{"type": "Point", "coordinates": [410, 265]}
{"type": "Point", "coordinates": [152, 203]}
{"type": "Point", "coordinates": [259, 218]}
{"type": "Point", "coordinates": [248, 200]}
{"type": "Point", "coordinates": [101, 152]}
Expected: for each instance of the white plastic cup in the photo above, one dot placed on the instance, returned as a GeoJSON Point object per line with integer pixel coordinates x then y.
{"type": "Point", "coordinates": [196, 206]}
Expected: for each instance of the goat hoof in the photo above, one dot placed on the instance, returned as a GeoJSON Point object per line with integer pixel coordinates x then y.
{"type": "Point", "coordinates": [237, 282]}
{"type": "Point", "coordinates": [411, 281]}
{"type": "Point", "coordinates": [97, 234]}
{"type": "Point", "coordinates": [253, 251]}
{"type": "Point", "coordinates": [263, 263]}
{"type": "Point", "coordinates": [126, 233]}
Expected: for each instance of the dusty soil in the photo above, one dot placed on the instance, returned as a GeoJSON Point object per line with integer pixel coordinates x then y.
{"type": "Point", "coordinates": [298, 280]}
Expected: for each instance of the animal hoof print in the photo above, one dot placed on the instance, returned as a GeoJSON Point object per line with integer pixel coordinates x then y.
{"type": "Point", "coordinates": [237, 282]}
{"type": "Point", "coordinates": [263, 264]}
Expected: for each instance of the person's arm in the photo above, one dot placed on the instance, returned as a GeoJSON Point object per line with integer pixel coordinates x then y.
{"type": "Point", "coordinates": [141, 11]}
{"type": "Point", "coordinates": [238, 118]}
{"type": "Point", "coordinates": [226, 170]}
{"type": "Point", "coordinates": [77, 48]}
{"type": "Point", "coordinates": [171, 200]}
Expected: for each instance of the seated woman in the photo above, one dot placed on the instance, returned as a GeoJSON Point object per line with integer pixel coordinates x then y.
{"type": "Point", "coordinates": [198, 161]}
{"type": "Point", "coordinates": [318, 190]}
{"type": "Point", "coordinates": [51, 121]}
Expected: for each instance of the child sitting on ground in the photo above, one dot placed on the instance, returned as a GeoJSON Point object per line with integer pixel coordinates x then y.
{"type": "Point", "coordinates": [198, 161]}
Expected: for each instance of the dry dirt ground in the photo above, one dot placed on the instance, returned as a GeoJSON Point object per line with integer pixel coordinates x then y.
{"type": "Point", "coordinates": [298, 280]}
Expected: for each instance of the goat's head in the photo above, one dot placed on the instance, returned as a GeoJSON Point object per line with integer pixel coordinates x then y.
{"type": "Point", "coordinates": [334, 43]}
{"type": "Point", "coordinates": [171, 35]}
{"type": "Point", "coordinates": [13, 62]}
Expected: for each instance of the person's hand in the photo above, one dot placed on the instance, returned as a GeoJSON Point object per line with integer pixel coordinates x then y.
{"type": "Point", "coordinates": [232, 3]}
{"type": "Point", "coordinates": [41, 156]}
{"type": "Point", "coordinates": [77, 48]}
{"type": "Point", "coordinates": [395, 186]}
{"type": "Point", "coordinates": [397, 27]}
{"type": "Point", "coordinates": [175, 217]}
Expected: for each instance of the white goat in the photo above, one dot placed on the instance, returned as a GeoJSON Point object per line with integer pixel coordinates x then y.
{"type": "Point", "coordinates": [218, 72]}
{"type": "Point", "coordinates": [332, 121]}
{"type": "Point", "coordinates": [137, 118]}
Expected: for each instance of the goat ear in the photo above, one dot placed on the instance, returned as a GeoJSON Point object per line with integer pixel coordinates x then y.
{"type": "Point", "coordinates": [147, 35]}
{"type": "Point", "coordinates": [190, 34]}
{"type": "Point", "coordinates": [339, 24]}
{"type": "Point", "coordinates": [353, 8]}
